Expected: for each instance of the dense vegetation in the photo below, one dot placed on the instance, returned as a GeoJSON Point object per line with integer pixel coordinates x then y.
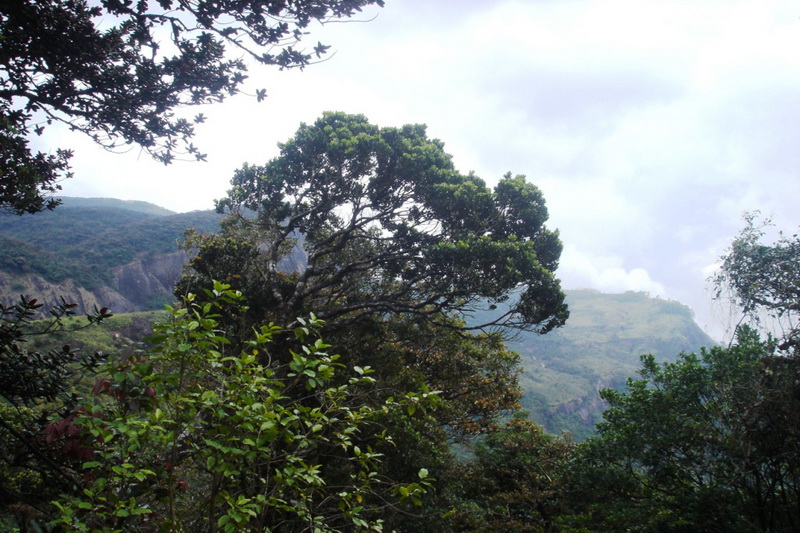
{"type": "Point", "coordinates": [391, 304]}
{"type": "Point", "coordinates": [20, 257]}
{"type": "Point", "coordinates": [85, 243]}
{"type": "Point", "coordinates": [225, 420]}
{"type": "Point", "coordinates": [562, 395]}
{"type": "Point", "coordinates": [328, 398]}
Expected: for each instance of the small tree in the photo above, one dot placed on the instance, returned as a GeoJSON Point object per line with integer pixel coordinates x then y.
{"type": "Point", "coordinates": [763, 280]}
{"type": "Point", "coordinates": [33, 387]}
{"type": "Point", "coordinates": [515, 482]}
{"type": "Point", "coordinates": [711, 441]}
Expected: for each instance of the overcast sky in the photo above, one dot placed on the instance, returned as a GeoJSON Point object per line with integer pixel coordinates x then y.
{"type": "Point", "coordinates": [650, 126]}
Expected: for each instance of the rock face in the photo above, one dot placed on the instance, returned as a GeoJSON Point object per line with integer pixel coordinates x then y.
{"type": "Point", "coordinates": [34, 286]}
{"type": "Point", "coordinates": [138, 286]}
{"type": "Point", "coordinates": [150, 280]}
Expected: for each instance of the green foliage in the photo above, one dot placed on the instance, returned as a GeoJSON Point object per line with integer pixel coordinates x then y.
{"type": "Point", "coordinates": [390, 227]}
{"type": "Point", "coordinates": [119, 71]}
{"type": "Point", "coordinates": [27, 180]}
{"type": "Point", "coordinates": [475, 375]}
{"type": "Point", "coordinates": [398, 247]}
{"type": "Point", "coordinates": [33, 384]}
{"type": "Point", "coordinates": [711, 431]}
{"type": "Point", "coordinates": [764, 280]}
{"type": "Point", "coordinates": [515, 482]}
{"type": "Point", "coordinates": [192, 436]}
{"type": "Point", "coordinates": [28, 376]}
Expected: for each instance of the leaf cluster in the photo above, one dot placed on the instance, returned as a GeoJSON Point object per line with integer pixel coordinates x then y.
{"type": "Point", "coordinates": [763, 279]}
{"type": "Point", "coordinates": [119, 70]}
{"type": "Point", "coordinates": [194, 436]}
{"type": "Point", "coordinates": [29, 376]}
{"type": "Point", "coordinates": [515, 482]}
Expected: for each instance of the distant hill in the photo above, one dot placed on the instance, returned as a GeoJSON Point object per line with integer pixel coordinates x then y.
{"type": "Point", "coordinates": [103, 236]}
{"type": "Point", "coordinates": [599, 347]}
{"type": "Point", "coordinates": [97, 251]}
{"type": "Point", "coordinates": [131, 205]}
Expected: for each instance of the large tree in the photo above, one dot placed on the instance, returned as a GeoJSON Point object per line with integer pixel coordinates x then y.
{"type": "Point", "coordinates": [387, 226]}
{"type": "Point", "coordinates": [375, 231]}
{"type": "Point", "coordinates": [118, 70]}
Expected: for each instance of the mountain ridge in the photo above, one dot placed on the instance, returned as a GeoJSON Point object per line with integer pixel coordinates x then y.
{"type": "Point", "coordinates": [562, 374]}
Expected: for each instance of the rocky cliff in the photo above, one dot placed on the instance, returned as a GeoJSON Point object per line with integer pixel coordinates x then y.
{"type": "Point", "coordinates": [12, 286]}
{"type": "Point", "coordinates": [138, 286]}
{"type": "Point", "coordinates": [147, 282]}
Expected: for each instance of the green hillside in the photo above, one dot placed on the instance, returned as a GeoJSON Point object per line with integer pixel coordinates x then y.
{"type": "Point", "coordinates": [84, 240]}
{"type": "Point", "coordinates": [598, 348]}
{"type": "Point", "coordinates": [66, 228]}
{"type": "Point", "coordinates": [19, 257]}
{"type": "Point", "coordinates": [115, 335]}
{"type": "Point", "coordinates": [145, 238]}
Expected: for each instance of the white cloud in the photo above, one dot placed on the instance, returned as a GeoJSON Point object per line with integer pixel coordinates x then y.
{"type": "Point", "coordinates": [580, 270]}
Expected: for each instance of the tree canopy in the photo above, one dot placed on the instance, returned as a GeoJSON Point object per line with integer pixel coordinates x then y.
{"type": "Point", "coordinates": [710, 442]}
{"type": "Point", "coordinates": [119, 70]}
{"type": "Point", "coordinates": [764, 279]}
{"type": "Point", "coordinates": [387, 226]}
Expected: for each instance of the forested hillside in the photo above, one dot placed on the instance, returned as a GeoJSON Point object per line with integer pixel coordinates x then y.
{"type": "Point", "coordinates": [101, 234]}
{"type": "Point", "coordinates": [598, 348]}
{"type": "Point", "coordinates": [105, 252]}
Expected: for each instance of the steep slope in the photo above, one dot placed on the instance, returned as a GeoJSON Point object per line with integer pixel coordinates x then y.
{"type": "Point", "coordinates": [105, 252]}
{"type": "Point", "coordinates": [598, 348]}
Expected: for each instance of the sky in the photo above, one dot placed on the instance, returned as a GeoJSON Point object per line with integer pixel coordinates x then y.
{"type": "Point", "coordinates": [650, 126]}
